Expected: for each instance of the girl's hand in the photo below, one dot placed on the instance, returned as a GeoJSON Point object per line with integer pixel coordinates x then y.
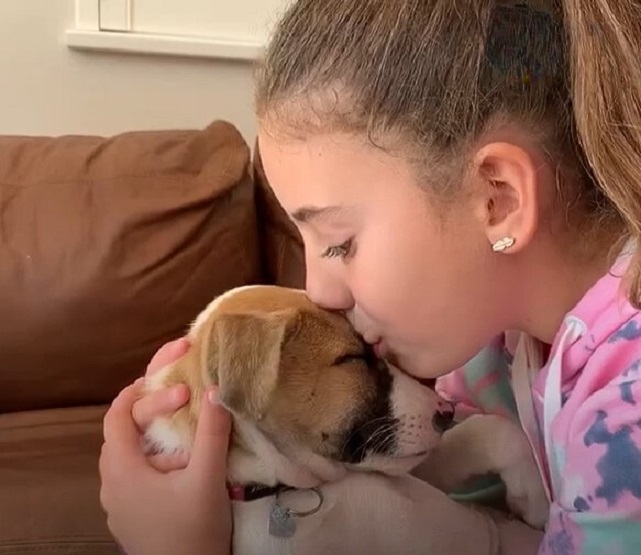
{"type": "Point", "coordinates": [151, 512]}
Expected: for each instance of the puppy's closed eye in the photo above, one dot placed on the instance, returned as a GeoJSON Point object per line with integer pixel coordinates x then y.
{"type": "Point", "coordinates": [349, 357]}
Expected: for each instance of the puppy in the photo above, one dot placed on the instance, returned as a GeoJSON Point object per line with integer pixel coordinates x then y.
{"type": "Point", "coordinates": [324, 433]}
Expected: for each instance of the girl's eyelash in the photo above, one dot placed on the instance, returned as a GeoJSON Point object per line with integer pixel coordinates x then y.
{"type": "Point", "coordinates": [338, 251]}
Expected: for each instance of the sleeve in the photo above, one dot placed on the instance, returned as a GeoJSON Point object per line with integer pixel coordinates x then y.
{"type": "Point", "coordinates": [598, 508]}
{"type": "Point", "coordinates": [482, 385]}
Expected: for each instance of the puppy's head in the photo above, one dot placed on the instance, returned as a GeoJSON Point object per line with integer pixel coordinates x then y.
{"type": "Point", "coordinates": [306, 382]}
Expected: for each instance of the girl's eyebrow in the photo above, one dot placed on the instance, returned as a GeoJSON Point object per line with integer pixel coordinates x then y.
{"type": "Point", "coordinates": [306, 214]}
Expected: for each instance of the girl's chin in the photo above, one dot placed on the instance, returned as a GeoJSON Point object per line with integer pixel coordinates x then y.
{"type": "Point", "coordinates": [392, 359]}
{"type": "Point", "coordinates": [413, 370]}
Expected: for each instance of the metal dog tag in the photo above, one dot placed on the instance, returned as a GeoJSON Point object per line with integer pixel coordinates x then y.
{"type": "Point", "coordinates": [281, 523]}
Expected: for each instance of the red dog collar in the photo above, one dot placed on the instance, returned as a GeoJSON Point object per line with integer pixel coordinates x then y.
{"type": "Point", "coordinates": [252, 492]}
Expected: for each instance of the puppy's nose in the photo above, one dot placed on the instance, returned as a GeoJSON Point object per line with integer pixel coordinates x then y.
{"type": "Point", "coordinates": [443, 419]}
{"type": "Point", "coordinates": [445, 406]}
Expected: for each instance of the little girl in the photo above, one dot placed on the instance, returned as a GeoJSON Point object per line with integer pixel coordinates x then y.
{"type": "Point", "coordinates": [463, 174]}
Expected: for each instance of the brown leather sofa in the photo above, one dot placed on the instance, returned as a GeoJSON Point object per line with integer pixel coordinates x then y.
{"type": "Point", "coordinates": [109, 247]}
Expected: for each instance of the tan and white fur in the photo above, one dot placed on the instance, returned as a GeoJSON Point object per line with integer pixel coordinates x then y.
{"type": "Point", "coordinates": [312, 406]}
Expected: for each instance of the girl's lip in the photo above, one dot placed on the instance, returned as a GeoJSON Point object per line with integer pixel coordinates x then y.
{"type": "Point", "coordinates": [380, 349]}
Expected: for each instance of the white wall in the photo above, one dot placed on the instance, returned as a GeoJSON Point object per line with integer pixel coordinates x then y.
{"type": "Point", "coordinates": [48, 89]}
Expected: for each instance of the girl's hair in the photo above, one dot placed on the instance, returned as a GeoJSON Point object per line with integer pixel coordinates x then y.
{"type": "Point", "coordinates": [431, 76]}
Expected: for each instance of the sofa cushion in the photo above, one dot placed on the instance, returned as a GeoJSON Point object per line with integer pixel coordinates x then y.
{"type": "Point", "coordinates": [281, 246]}
{"type": "Point", "coordinates": [108, 248]}
{"type": "Point", "coordinates": [50, 484]}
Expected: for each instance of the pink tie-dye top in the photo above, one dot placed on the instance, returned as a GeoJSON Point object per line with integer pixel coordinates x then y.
{"type": "Point", "coordinates": [585, 419]}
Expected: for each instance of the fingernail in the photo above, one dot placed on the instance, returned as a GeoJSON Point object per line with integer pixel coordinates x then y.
{"type": "Point", "coordinates": [180, 393]}
{"type": "Point", "coordinates": [182, 344]}
{"type": "Point", "coordinates": [175, 348]}
{"type": "Point", "coordinates": [213, 397]}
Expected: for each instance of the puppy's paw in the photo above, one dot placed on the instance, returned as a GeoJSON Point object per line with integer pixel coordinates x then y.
{"type": "Point", "coordinates": [525, 494]}
{"type": "Point", "coordinates": [484, 444]}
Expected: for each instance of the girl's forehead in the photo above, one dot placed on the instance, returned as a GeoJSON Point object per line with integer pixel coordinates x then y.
{"type": "Point", "coordinates": [329, 161]}
{"type": "Point", "coordinates": [307, 179]}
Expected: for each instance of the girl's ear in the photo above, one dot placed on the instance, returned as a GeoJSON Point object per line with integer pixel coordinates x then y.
{"type": "Point", "coordinates": [509, 203]}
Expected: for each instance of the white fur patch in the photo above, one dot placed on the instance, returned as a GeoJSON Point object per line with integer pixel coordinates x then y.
{"type": "Point", "coordinates": [163, 437]}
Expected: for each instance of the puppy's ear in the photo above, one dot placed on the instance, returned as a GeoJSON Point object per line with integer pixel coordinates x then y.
{"type": "Point", "coordinates": [246, 357]}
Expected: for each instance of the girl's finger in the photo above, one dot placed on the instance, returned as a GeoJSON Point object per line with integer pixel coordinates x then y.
{"type": "Point", "coordinates": [159, 403]}
{"type": "Point", "coordinates": [169, 463]}
{"type": "Point", "coordinates": [167, 354]}
{"type": "Point", "coordinates": [209, 455]}
{"type": "Point", "coordinates": [122, 438]}
{"type": "Point", "coordinates": [115, 420]}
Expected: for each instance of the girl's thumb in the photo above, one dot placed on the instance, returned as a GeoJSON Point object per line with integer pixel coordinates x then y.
{"type": "Point", "coordinates": [211, 443]}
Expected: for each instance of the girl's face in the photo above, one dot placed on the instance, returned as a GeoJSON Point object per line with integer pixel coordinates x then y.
{"type": "Point", "coordinates": [422, 285]}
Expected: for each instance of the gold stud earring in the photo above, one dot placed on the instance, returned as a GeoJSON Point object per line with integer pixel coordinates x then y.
{"type": "Point", "coordinates": [503, 244]}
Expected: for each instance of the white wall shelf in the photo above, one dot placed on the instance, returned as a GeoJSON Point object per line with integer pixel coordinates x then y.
{"type": "Point", "coordinates": [163, 45]}
{"type": "Point", "coordinates": [214, 29]}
